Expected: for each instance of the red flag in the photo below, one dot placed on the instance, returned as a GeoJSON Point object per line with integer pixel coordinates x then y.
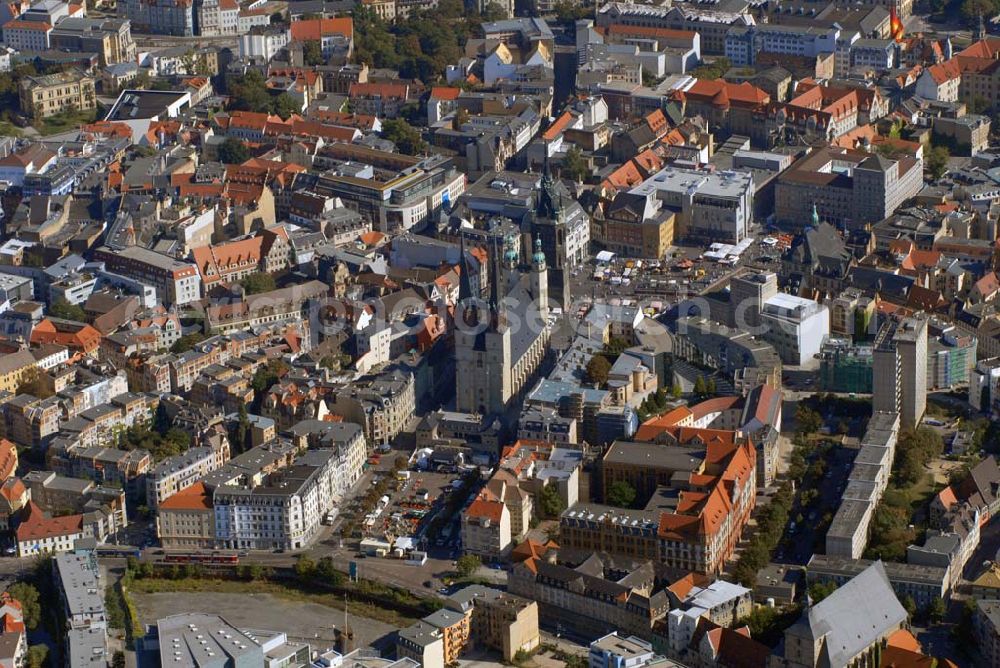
{"type": "Point", "coordinates": [895, 25]}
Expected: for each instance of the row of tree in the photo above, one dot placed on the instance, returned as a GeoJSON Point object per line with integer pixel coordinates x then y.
{"type": "Point", "coordinates": [422, 45]}
{"type": "Point", "coordinates": [249, 92]}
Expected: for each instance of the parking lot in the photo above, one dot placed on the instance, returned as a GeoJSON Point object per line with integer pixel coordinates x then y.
{"type": "Point", "coordinates": [398, 502]}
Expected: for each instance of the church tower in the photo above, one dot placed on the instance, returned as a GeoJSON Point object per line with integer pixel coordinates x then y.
{"type": "Point", "coordinates": [539, 280]}
{"type": "Point", "coordinates": [550, 226]}
{"type": "Point", "coordinates": [482, 344]}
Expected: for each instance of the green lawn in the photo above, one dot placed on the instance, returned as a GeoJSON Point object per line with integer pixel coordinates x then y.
{"type": "Point", "coordinates": [915, 497]}
{"type": "Point", "coordinates": [64, 122]}
{"type": "Point", "coordinates": [900, 508]}
{"type": "Point", "coordinates": [8, 129]}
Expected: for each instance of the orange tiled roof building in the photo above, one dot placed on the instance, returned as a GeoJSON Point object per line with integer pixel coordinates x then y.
{"type": "Point", "coordinates": [697, 487]}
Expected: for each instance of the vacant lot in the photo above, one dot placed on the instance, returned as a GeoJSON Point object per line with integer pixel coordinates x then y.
{"type": "Point", "coordinates": [301, 620]}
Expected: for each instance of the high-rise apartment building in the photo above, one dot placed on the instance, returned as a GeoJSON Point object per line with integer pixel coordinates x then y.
{"type": "Point", "coordinates": [899, 382]}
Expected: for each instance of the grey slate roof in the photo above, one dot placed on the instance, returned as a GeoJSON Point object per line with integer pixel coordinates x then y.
{"type": "Point", "coordinates": [854, 616]}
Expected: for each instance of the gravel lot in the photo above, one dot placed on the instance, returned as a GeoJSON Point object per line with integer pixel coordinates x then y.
{"type": "Point", "coordinates": [309, 622]}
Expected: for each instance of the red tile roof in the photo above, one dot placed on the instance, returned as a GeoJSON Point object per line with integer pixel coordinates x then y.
{"type": "Point", "coordinates": [79, 337]}
{"type": "Point", "coordinates": [944, 72]}
{"type": "Point", "coordinates": [16, 24]}
{"type": "Point", "coordinates": [985, 48]}
{"type": "Point", "coordinates": [37, 527]}
{"type": "Point", "coordinates": [645, 31]}
{"type": "Point", "coordinates": [12, 490]}
{"type": "Point", "coordinates": [8, 459]}
{"type": "Point", "coordinates": [724, 93]}
{"type": "Point", "coordinates": [384, 90]}
{"type": "Point", "coordinates": [558, 126]}
{"type": "Point", "coordinates": [445, 93]}
{"type": "Point", "coordinates": [714, 405]}
{"type": "Point", "coordinates": [315, 29]}
{"type": "Point", "coordinates": [195, 497]}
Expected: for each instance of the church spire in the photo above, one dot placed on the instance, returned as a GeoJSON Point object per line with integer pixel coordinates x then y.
{"type": "Point", "coordinates": [538, 259]}
{"type": "Point", "coordinates": [548, 202]}
{"type": "Point", "coordinates": [464, 277]}
{"type": "Point", "coordinates": [498, 317]}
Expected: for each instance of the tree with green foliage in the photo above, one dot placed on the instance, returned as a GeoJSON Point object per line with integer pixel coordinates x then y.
{"type": "Point", "coordinates": [620, 494]}
{"type": "Point", "coordinates": [937, 161]}
{"type": "Point", "coordinates": [160, 444]}
{"type": "Point", "coordinates": [406, 137]}
{"type": "Point", "coordinates": [710, 389]}
{"type": "Point", "coordinates": [494, 11]}
{"type": "Point", "coordinates": [264, 378]}
{"type": "Point", "coordinates": [374, 44]}
{"type": "Point", "coordinates": [187, 342]}
{"type": "Point", "coordinates": [615, 347]}
{"type": "Point", "coordinates": [421, 45]}
{"type": "Point", "coordinates": [305, 568]}
{"type": "Point", "coordinates": [258, 282]}
{"type": "Point", "coordinates": [312, 53]}
{"type": "Point", "coordinates": [467, 564]}
{"type": "Point", "coordinates": [700, 387]}
{"type": "Point", "coordinates": [31, 608]}
{"type": "Point", "coordinates": [915, 450]}
{"type": "Point", "coordinates": [821, 589]}
{"type": "Point", "coordinates": [676, 391]}
{"type": "Point", "coordinates": [460, 119]}
{"type": "Point", "coordinates": [597, 370]}
{"type": "Point", "coordinates": [285, 105]}
{"type": "Point", "coordinates": [550, 502]}
{"type": "Point", "coordinates": [772, 522]}
{"type": "Point", "coordinates": [973, 9]}
{"type": "Point", "coordinates": [936, 610]}
{"type": "Point", "coordinates": [239, 438]}
{"type": "Point", "coordinates": [713, 70]}
{"type": "Point", "coordinates": [760, 620]}
{"type": "Point", "coordinates": [807, 421]}
{"type": "Point", "coordinates": [575, 165]}
{"type": "Point", "coordinates": [233, 152]}
{"type": "Point", "coordinates": [570, 12]}
{"type": "Point", "coordinates": [890, 532]}
{"type": "Point", "coordinates": [909, 605]}
{"type": "Point", "coordinates": [327, 572]}
{"type": "Point", "coordinates": [248, 92]}
{"type": "Point", "coordinates": [61, 308]}
{"type": "Point", "coordinates": [38, 656]}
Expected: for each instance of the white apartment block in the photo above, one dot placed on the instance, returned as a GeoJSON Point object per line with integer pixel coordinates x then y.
{"type": "Point", "coordinates": [712, 205]}
{"type": "Point", "coordinates": [176, 282]}
{"type": "Point", "coordinates": [283, 513]}
{"type": "Point", "coordinates": [743, 43]}
{"type": "Point", "coordinates": [80, 590]}
{"type": "Point", "coordinates": [264, 44]}
{"type": "Point", "coordinates": [796, 326]}
{"type": "Point", "coordinates": [27, 35]}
